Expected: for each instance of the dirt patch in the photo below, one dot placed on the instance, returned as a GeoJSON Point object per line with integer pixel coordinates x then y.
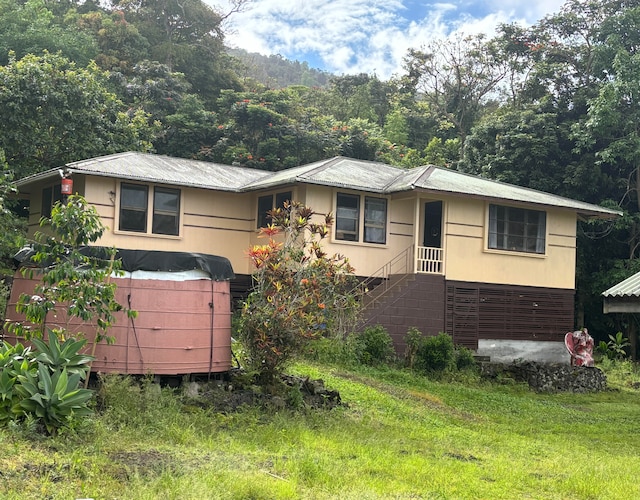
{"type": "Point", "coordinates": [239, 391]}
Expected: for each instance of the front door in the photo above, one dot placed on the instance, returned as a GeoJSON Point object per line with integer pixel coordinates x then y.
{"type": "Point", "coordinates": [433, 224]}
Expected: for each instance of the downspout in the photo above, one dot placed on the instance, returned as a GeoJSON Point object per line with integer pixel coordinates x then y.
{"type": "Point", "coordinates": [211, 306]}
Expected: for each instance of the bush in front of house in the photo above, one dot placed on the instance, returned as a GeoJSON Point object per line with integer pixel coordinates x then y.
{"type": "Point", "coordinates": [40, 387]}
{"type": "Point", "coordinates": [434, 354]}
{"type": "Point", "coordinates": [300, 293]}
{"type": "Point", "coordinates": [371, 346]}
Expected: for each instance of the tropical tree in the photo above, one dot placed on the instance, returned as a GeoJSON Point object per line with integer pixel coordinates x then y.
{"type": "Point", "coordinates": [55, 112]}
{"type": "Point", "coordinates": [31, 27]}
{"type": "Point", "coordinates": [74, 280]}
{"type": "Point", "coordinates": [188, 37]}
{"type": "Point", "coordinates": [456, 77]}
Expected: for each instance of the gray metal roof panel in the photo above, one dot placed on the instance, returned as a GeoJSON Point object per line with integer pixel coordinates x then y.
{"type": "Point", "coordinates": [627, 288]}
{"type": "Point", "coordinates": [444, 180]}
{"type": "Point", "coordinates": [347, 173]}
{"type": "Point", "coordinates": [166, 170]}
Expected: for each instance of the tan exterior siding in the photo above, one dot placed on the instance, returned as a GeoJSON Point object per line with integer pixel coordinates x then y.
{"type": "Point", "coordinates": [210, 222]}
{"type": "Point", "coordinates": [467, 257]}
{"type": "Point", "coordinates": [367, 258]}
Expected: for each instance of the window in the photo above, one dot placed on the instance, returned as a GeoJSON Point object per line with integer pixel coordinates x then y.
{"type": "Point", "coordinates": [375, 220]}
{"type": "Point", "coordinates": [348, 218]}
{"type": "Point", "coordinates": [50, 196]}
{"type": "Point", "coordinates": [134, 209]}
{"type": "Point", "coordinates": [517, 229]}
{"type": "Point", "coordinates": [166, 211]}
{"type": "Point", "coordinates": [266, 203]}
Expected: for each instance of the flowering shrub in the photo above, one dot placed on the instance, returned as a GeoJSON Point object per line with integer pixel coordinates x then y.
{"type": "Point", "coordinates": [300, 293]}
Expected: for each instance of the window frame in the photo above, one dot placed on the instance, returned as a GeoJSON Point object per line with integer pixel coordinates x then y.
{"type": "Point", "coordinates": [362, 221]}
{"type": "Point", "coordinates": [516, 229]}
{"type": "Point", "coordinates": [150, 210]}
{"type": "Point", "coordinates": [370, 223]}
{"type": "Point", "coordinates": [341, 232]}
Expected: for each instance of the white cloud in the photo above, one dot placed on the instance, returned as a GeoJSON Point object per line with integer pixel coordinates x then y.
{"type": "Point", "coordinates": [370, 36]}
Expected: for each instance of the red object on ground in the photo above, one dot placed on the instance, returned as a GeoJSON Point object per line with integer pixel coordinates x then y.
{"type": "Point", "coordinates": [580, 347]}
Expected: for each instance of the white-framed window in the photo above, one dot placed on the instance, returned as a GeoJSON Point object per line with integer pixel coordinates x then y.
{"type": "Point", "coordinates": [142, 208]}
{"type": "Point", "coordinates": [350, 218]}
{"type": "Point", "coordinates": [269, 202]}
{"type": "Point", "coordinates": [517, 229]}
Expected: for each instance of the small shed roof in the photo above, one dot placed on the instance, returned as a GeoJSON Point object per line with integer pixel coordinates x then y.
{"type": "Point", "coordinates": [627, 288]}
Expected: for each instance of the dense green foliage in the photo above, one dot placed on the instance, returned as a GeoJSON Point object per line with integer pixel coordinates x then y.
{"type": "Point", "coordinates": [552, 106]}
{"type": "Point", "coordinates": [371, 346]}
{"type": "Point", "coordinates": [436, 354]}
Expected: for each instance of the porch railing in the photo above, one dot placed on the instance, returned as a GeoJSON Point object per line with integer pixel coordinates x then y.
{"type": "Point", "coordinates": [421, 260]}
{"type": "Point", "coordinates": [400, 264]}
{"type": "Point", "coordinates": [429, 260]}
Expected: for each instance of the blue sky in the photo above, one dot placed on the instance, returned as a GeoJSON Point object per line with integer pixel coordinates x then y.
{"type": "Point", "coordinates": [370, 36]}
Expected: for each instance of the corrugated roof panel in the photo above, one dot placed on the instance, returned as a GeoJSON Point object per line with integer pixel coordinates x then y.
{"type": "Point", "coordinates": [451, 181]}
{"type": "Point", "coordinates": [169, 170]}
{"type": "Point", "coordinates": [627, 288]}
{"type": "Point", "coordinates": [341, 172]}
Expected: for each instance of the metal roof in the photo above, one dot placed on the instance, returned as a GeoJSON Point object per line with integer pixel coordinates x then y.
{"type": "Point", "coordinates": [439, 179]}
{"type": "Point", "coordinates": [627, 288]}
{"type": "Point", "coordinates": [161, 169]}
{"type": "Point", "coordinates": [340, 172]}
{"type": "Point", "coordinates": [347, 173]}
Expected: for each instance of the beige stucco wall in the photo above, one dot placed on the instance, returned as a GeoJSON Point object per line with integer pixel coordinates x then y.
{"type": "Point", "coordinates": [225, 224]}
{"type": "Point", "coordinates": [366, 258]}
{"type": "Point", "coordinates": [467, 257]}
{"type": "Point", "coordinates": [215, 223]}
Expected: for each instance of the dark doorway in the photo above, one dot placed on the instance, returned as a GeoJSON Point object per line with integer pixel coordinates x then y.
{"type": "Point", "coordinates": [433, 224]}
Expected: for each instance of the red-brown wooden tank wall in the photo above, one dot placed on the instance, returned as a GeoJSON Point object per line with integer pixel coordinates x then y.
{"type": "Point", "coordinates": [182, 327]}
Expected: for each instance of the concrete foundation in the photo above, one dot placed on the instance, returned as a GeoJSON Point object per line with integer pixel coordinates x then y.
{"type": "Point", "coordinates": [506, 351]}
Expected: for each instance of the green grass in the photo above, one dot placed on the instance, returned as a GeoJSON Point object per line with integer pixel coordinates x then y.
{"type": "Point", "coordinates": [399, 436]}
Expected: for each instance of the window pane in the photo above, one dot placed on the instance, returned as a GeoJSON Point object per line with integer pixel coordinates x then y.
{"type": "Point", "coordinates": [265, 203]}
{"type": "Point", "coordinates": [45, 210]}
{"type": "Point", "coordinates": [133, 208]}
{"type": "Point", "coordinates": [347, 217]}
{"type": "Point", "coordinates": [166, 211]}
{"type": "Point", "coordinates": [281, 198]}
{"type": "Point", "coordinates": [517, 229]}
{"type": "Point", "coordinates": [375, 220]}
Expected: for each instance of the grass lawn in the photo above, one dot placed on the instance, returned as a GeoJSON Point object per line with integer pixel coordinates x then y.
{"type": "Point", "coordinates": [398, 436]}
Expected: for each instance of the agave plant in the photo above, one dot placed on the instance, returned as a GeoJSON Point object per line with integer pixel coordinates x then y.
{"type": "Point", "coordinates": [62, 356]}
{"type": "Point", "coordinates": [14, 361]}
{"type": "Point", "coordinates": [53, 399]}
